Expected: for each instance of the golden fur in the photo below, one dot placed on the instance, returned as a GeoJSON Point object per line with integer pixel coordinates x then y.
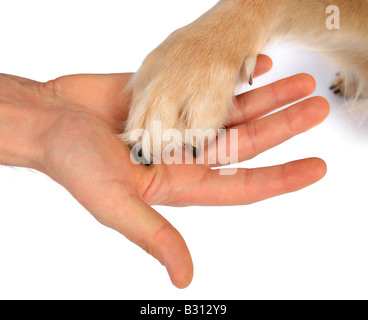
{"type": "Point", "coordinates": [188, 81]}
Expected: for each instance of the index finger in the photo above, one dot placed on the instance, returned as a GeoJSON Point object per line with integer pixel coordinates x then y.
{"type": "Point", "coordinates": [252, 185]}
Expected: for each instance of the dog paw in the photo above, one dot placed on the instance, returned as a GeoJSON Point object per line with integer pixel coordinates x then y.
{"type": "Point", "coordinates": [339, 87]}
{"type": "Point", "coordinates": [184, 89]}
{"type": "Point", "coordinates": [349, 86]}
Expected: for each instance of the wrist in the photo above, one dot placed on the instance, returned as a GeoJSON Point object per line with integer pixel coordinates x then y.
{"type": "Point", "coordinates": [21, 126]}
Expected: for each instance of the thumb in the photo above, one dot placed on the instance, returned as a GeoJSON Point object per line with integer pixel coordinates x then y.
{"type": "Point", "coordinates": [148, 229]}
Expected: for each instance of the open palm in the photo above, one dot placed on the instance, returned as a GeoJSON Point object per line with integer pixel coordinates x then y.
{"type": "Point", "coordinates": [76, 144]}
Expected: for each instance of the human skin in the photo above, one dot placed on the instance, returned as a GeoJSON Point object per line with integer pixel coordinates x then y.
{"type": "Point", "coordinates": [67, 128]}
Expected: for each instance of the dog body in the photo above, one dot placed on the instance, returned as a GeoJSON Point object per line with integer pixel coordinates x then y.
{"type": "Point", "coordinates": [188, 81]}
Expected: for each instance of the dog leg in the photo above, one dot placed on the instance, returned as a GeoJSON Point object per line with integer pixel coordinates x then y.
{"type": "Point", "coordinates": [307, 24]}
{"type": "Point", "coordinates": [188, 81]}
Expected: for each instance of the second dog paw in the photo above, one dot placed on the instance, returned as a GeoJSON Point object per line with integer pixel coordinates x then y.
{"type": "Point", "coordinates": [349, 86]}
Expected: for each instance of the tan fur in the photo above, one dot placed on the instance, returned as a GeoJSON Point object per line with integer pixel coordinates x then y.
{"type": "Point", "coordinates": [188, 81]}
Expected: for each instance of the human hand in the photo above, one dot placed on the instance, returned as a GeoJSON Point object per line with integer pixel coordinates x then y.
{"type": "Point", "coordinates": [67, 128]}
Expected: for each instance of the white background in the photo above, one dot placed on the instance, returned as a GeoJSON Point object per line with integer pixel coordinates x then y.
{"type": "Point", "coordinates": [308, 245]}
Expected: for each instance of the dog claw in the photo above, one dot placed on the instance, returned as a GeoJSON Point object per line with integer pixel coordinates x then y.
{"type": "Point", "coordinates": [195, 152]}
{"type": "Point", "coordinates": [138, 155]}
{"type": "Point", "coordinates": [336, 88]}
